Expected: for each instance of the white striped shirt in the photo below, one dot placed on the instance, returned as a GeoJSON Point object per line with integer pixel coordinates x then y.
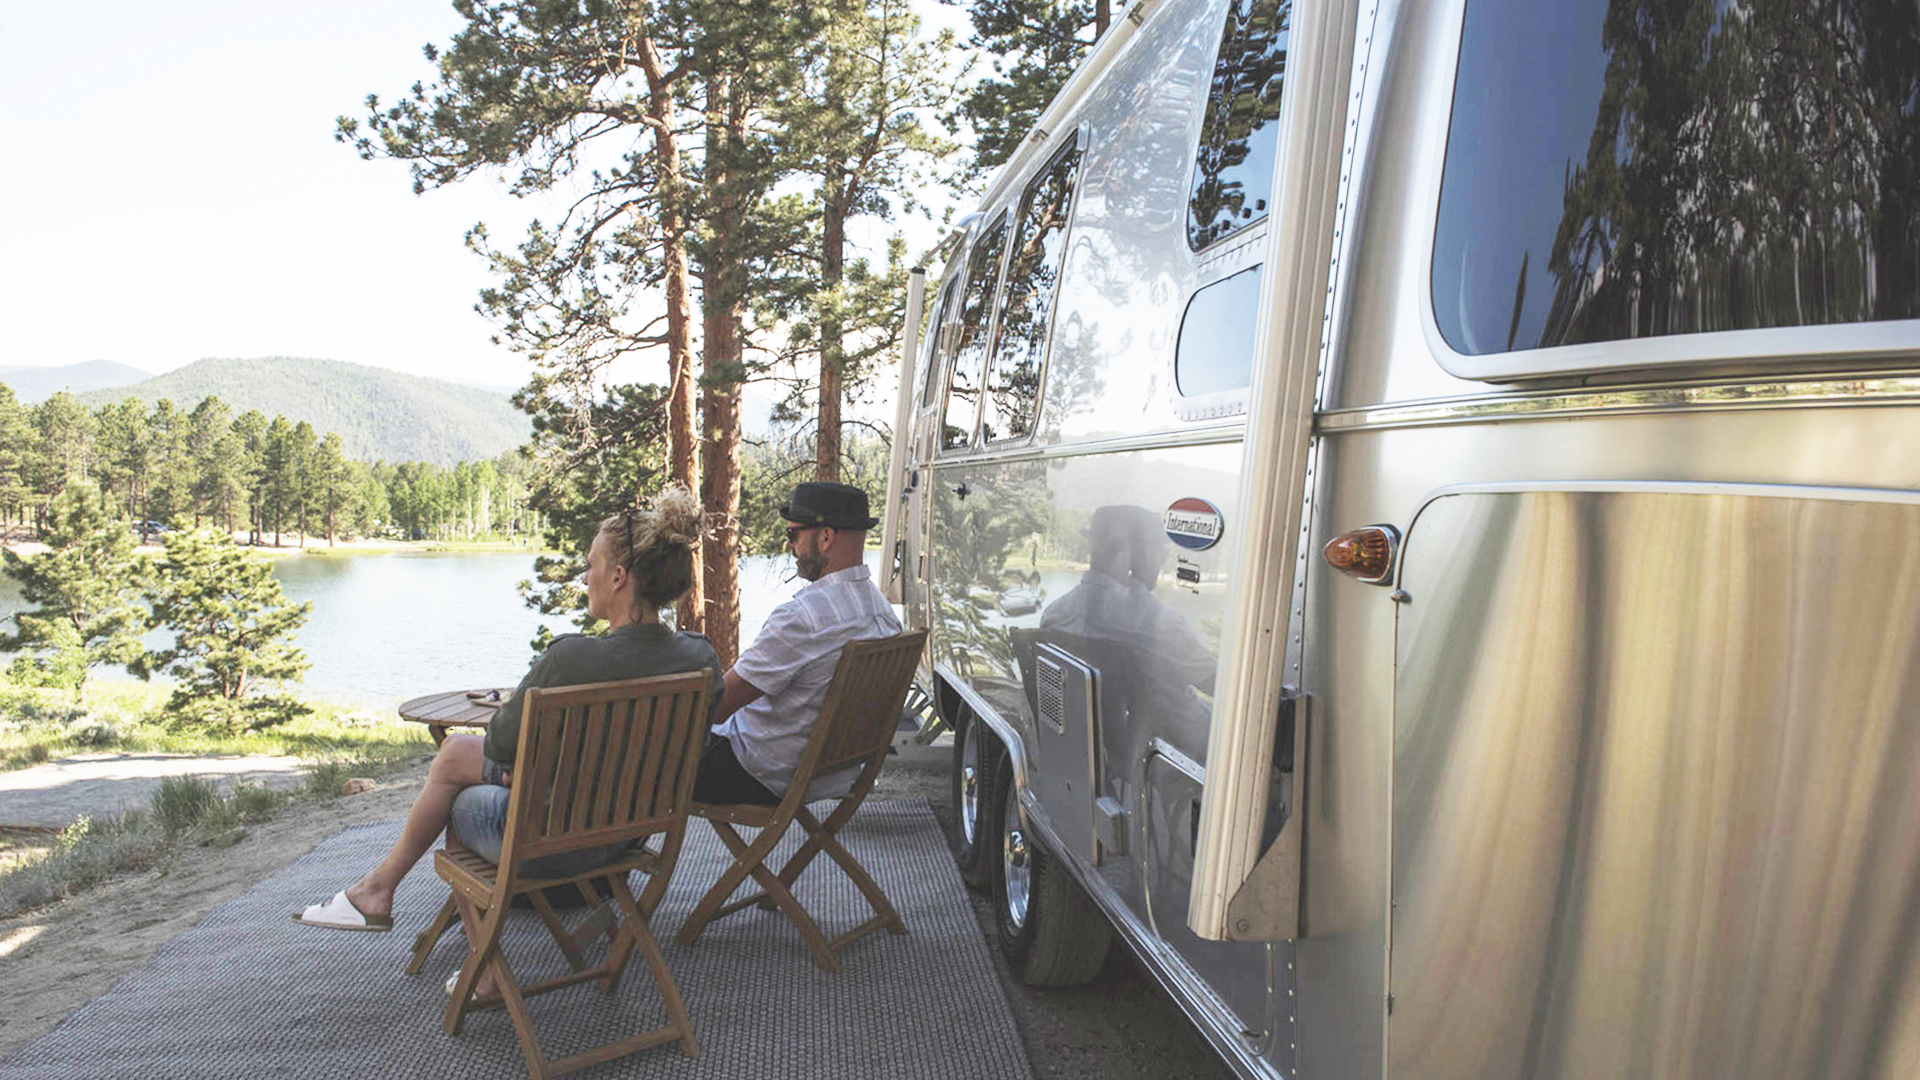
{"type": "Point", "coordinates": [790, 663]}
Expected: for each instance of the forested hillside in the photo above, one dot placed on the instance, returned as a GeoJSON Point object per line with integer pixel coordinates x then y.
{"type": "Point", "coordinates": [270, 477]}
{"type": "Point", "coordinates": [379, 415]}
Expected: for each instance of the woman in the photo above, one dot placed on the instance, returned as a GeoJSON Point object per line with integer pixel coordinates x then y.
{"type": "Point", "coordinates": [641, 561]}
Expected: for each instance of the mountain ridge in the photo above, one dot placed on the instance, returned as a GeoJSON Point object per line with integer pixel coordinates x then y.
{"type": "Point", "coordinates": [33, 383]}
{"type": "Point", "coordinates": [378, 414]}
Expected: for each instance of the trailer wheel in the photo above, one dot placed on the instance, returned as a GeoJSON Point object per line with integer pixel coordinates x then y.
{"type": "Point", "coordinates": [974, 844]}
{"type": "Point", "coordinates": [1049, 932]}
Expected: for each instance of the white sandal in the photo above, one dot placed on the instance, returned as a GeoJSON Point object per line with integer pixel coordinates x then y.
{"type": "Point", "coordinates": [338, 913]}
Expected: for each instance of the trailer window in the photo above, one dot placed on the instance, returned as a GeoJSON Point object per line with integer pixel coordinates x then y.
{"type": "Point", "coordinates": [1617, 170]}
{"type": "Point", "coordinates": [1033, 278]}
{"type": "Point", "coordinates": [970, 346]}
{"type": "Point", "coordinates": [935, 348]}
{"type": "Point", "coordinates": [1233, 172]}
{"type": "Point", "coordinates": [1215, 353]}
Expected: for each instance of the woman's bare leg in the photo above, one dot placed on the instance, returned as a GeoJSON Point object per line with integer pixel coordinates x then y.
{"type": "Point", "coordinates": [456, 766]}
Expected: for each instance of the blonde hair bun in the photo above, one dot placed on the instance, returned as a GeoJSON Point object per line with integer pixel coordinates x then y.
{"type": "Point", "coordinates": [675, 519]}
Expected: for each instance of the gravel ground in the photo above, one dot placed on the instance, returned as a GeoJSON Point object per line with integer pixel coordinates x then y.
{"type": "Point", "coordinates": [1120, 1026]}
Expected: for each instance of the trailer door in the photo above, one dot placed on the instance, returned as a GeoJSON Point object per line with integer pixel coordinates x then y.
{"type": "Point", "coordinates": [1656, 785]}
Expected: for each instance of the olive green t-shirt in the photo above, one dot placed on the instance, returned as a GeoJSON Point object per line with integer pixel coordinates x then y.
{"type": "Point", "coordinates": [634, 651]}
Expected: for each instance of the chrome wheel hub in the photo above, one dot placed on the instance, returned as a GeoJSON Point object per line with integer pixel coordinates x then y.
{"type": "Point", "coordinates": [970, 785]}
{"type": "Point", "coordinates": [1015, 863]}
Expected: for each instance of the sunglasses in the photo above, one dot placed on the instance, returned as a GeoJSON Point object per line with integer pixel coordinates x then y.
{"type": "Point", "coordinates": [794, 531]}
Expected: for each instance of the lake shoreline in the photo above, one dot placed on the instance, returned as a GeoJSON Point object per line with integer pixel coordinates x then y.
{"type": "Point", "coordinates": [317, 545]}
{"type": "Point", "coordinates": [391, 621]}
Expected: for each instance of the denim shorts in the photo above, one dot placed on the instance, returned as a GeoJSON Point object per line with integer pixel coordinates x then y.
{"type": "Point", "coordinates": [480, 821]}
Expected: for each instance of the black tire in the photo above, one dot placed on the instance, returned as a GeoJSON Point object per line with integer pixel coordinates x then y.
{"type": "Point", "coordinates": [975, 846]}
{"type": "Point", "coordinates": [1057, 937]}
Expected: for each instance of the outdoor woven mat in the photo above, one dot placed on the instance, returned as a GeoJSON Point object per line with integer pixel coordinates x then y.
{"type": "Point", "coordinates": [250, 993]}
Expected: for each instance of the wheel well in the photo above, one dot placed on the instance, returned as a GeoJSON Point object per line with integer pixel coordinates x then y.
{"type": "Point", "coordinates": [947, 699]}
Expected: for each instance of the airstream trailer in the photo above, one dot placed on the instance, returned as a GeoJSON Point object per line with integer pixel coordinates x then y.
{"type": "Point", "coordinates": [1415, 507]}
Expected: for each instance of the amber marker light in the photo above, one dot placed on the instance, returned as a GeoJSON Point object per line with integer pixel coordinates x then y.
{"type": "Point", "coordinates": [1365, 553]}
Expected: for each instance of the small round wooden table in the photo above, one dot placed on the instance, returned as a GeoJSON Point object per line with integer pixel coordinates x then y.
{"type": "Point", "coordinates": [454, 709]}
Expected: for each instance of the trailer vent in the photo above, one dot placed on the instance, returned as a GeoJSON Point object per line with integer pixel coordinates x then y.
{"type": "Point", "coordinates": [1052, 685]}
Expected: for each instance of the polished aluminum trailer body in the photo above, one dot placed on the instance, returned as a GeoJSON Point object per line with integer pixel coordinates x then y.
{"type": "Point", "coordinates": [1617, 775]}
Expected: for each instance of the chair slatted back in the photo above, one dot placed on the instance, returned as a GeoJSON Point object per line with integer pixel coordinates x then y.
{"type": "Point", "coordinates": [861, 711]}
{"type": "Point", "coordinates": [605, 763]}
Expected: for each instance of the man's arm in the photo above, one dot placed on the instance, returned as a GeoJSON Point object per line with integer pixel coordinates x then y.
{"type": "Point", "coordinates": [737, 694]}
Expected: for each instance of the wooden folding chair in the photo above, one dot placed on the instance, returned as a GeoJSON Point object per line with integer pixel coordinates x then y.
{"type": "Point", "coordinates": [601, 764]}
{"type": "Point", "coordinates": [856, 727]}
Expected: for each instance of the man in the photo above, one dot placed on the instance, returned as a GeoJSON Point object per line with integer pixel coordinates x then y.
{"type": "Point", "coordinates": [773, 692]}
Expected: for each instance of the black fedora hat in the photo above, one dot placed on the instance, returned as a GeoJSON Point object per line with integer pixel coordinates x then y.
{"type": "Point", "coordinates": [839, 506]}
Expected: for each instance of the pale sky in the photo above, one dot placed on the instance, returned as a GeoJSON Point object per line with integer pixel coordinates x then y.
{"type": "Point", "coordinates": [172, 191]}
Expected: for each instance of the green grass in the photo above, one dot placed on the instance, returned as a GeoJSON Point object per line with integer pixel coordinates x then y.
{"type": "Point", "coordinates": [38, 725]}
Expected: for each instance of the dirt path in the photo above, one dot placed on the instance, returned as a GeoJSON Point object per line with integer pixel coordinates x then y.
{"type": "Point", "coordinates": [52, 795]}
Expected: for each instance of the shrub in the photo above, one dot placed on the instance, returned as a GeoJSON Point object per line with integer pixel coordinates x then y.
{"type": "Point", "coordinates": [37, 708]}
{"type": "Point", "coordinates": [328, 779]}
{"type": "Point", "coordinates": [232, 716]}
{"type": "Point", "coordinates": [182, 802]}
{"type": "Point", "coordinates": [254, 803]}
{"type": "Point", "coordinates": [92, 731]}
{"type": "Point", "coordinates": [86, 853]}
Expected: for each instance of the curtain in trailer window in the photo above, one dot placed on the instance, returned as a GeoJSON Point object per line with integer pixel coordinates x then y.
{"type": "Point", "coordinates": [1639, 168]}
{"type": "Point", "coordinates": [1033, 280]}
{"type": "Point", "coordinates": [1233, 172]}
{"type": "Point", "coordinates": [970, 347]}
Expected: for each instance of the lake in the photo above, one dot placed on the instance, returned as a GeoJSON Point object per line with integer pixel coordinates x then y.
{"type": "Point", "coordinates": [389, 627]}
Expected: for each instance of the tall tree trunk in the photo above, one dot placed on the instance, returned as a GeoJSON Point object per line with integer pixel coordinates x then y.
{"type": "Point", "coordinates": [724, 308]}
{"type": "Point", "coordinates": [833, 261]}
{"type": "Point", "coordinates": [682, 464]}
{"type": "Point", "coordinates": [720, 491]}
{"type": "Point", "coordinates": [1102, 18]}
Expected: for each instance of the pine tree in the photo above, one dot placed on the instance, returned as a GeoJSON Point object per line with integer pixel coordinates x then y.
{"type": "Point", "coordinates": [333, 482]}
{"type": "Point", "coordinates": [859, 130]}
{"type": "Point", "coordinates": [16, 457]}
{"type": "Point", "coordinates": [232, 627]}
{"type": "Point", "coordinates": [169, 492]}
{"type": "Point", "coordinates": [1035, 45]}
{"type": "Point", "coordinates": [215, 455]}
{"type": "Point", "coordinates": [303, 450]}
{"type": "Point", "coordinates": [656, 111]}
{"type": "Point", "coordinates": [279, 474]}
{"type": "Point", "coordinates": [86, 588]}
{"type": "Point", "coordinates": [544, 91]}
{"type": "Point", "coordinates": [123, 455]}
{"type": "Point", "coordinates": [63, 449]}
{"type": "Point", "coordinates": [250, 438]}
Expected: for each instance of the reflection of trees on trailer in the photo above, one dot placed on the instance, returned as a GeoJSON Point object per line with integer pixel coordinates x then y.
{"type": "Point", "coordinates": [1601, 319]}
